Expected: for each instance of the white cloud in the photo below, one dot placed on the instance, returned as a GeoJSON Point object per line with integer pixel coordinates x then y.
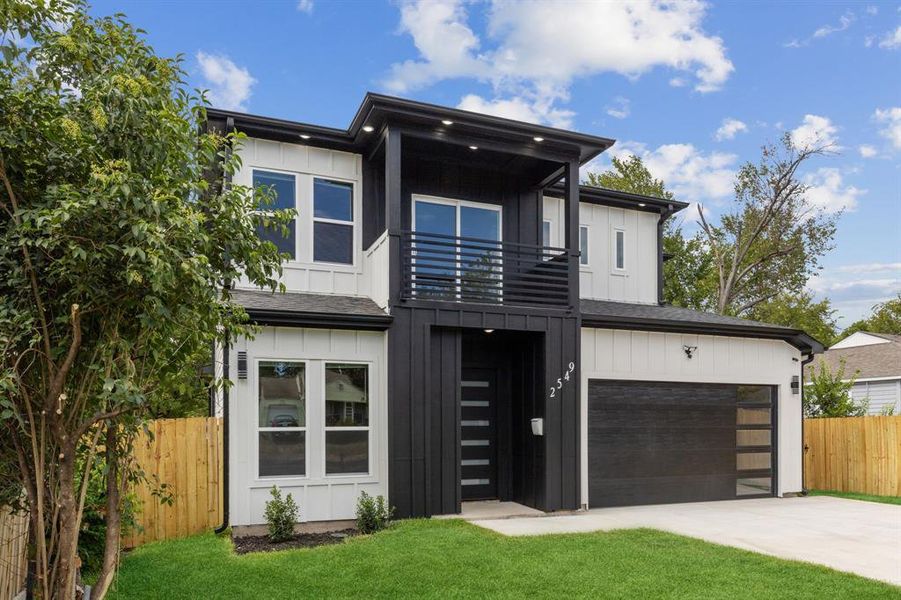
{"type": "Point", "coordinates": [872, 10]}
{"type": "Point", "coordinates": [576, 40]}
{"type": "Point", "coordinates": [519, 109]}
{"type": "Point", "coordinates": [892, 39]}
{"type": "Point", "coordinates": [619, 109]}
{"type": "Point", "coordinates": [827, 191]}
{"type": "Point", "coordinates": [870, 268]}
{"type": "Point", "coordinates": [729, 129]}
{"type": "Point", "coordinates": [844, 22]}
{"type": "Point", "coordinates": [867, 151]}
{"type": "Point", "coordinates": [230, 85]}
{"type": "Point", "coordinates": [678, 82]}
{"type": "Point", "coordinates": [855, 288]}
{"type": "Point", "coordinates": [689, 173]}
{"type": "Point", "coordinates": [891, 118]}
{"type": "Point", "coordinates": [305, 6]}
{"type": "Point", "coordinates": [814, 131]}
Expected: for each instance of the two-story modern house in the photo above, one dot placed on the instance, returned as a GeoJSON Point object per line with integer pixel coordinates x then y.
{"type": "Point", "coordinates": [464, 320]}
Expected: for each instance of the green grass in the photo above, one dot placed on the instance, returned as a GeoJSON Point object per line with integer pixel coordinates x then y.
{"type": "Point", "coordinates": [444, 559]}
{"type": "Point", "coordinates": [856, 496]}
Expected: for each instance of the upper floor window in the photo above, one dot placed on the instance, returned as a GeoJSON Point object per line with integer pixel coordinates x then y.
{"type": "Point", "coordinates": [583, 245]}
{"type": "Point", "coordinates": [619, 249]}
{"type": "Point", "coordinates": [333, 221]}
{"type": "Point", "coordinates": [284, 187]}
{"type": "Point", "coordinates": [545, 233]}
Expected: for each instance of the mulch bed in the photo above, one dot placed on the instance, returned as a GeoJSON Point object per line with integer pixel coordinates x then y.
{"type": "Point", "coordinates": [261, 543]}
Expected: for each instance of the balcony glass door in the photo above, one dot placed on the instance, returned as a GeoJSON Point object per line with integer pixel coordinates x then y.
{"type": "Point", "coordinates": [447, 267]}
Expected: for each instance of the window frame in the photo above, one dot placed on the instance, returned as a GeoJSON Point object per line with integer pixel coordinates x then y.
{"type": "Point", "coordinates": [587, 263]}
{"type": "Point", "coordinates": [297, 227]}
{"type": "Point", "coordinates": [614, 268]}
{"type": "Point", "coordinates": [305, 429]}
{"type": "Point", "coordinates": [549, 242]}
{"type": "Point", "coordinates": [352, 223]}
{"type": "Point", "coordinates": [327, 428]}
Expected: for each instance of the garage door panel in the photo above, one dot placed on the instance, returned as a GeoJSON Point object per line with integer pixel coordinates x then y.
{"type": "Point", "coordinates": [652, 442]}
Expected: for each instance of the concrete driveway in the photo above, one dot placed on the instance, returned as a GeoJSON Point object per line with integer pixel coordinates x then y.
{"type": "Point", "coordinates": [847, 535]}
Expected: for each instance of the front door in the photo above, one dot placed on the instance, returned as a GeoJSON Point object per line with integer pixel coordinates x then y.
{"type": "Point", "coordinates": [478, 434]}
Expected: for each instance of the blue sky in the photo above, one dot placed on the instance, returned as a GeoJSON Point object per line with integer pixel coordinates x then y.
{"type": "Point", "coordinates": [694, 88]}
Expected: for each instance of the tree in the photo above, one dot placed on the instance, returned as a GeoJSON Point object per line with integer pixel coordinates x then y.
{"type": "Point", "coordinates": [771, 241]}
{"type": "Point", "coordinates": [885, 318]}
{"type": "Point", "coordinates": [801, 312]}
{"type": "Point", "coordinates": [115, 251]}
{"type": "Point", "coordinates": [829, 395]}
{"type": "Point", "coordinates": [688, 272]}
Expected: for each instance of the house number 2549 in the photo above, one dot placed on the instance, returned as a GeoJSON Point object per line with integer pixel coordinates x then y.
{"type": "Point", "coordinates": [561, 381]}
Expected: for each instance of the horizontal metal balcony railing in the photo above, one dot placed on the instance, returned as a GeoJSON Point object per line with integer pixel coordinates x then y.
{"type": "Point", "coordinates": [462, 269]}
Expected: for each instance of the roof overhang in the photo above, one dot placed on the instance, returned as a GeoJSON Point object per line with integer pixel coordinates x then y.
{"type": "Point", "coordinates": [284, 318]}
{"type": "Point", "coordinates": [797, 338]}
{"type": "Point", "coordinates": [606, 197]}
{"type": "Point", "coordinates": [378, 111]}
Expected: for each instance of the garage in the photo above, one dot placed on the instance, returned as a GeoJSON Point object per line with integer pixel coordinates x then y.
{"type": "Point", "coordinates": [661, 442]}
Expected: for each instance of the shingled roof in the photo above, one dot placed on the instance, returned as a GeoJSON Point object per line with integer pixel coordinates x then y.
{"type": "Point", "coordinates": [294, 308]}
{"type": "Point", "coordinates": [871, 360]}
{"type": "Point", "coordinates": [653, 317]}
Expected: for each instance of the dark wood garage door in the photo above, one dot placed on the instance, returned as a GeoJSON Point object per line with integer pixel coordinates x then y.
{"type": "Point", "coordinates": [654, 443]}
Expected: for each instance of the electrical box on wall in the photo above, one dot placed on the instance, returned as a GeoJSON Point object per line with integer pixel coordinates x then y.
{"type": "Point", "coordinates": [538, 426]}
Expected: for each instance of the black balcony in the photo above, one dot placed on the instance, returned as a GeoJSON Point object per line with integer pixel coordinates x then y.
{"type": "Point", "coordinates": [460, 269]}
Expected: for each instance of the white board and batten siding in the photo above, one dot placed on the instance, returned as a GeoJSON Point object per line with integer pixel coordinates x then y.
{"type": "Point", "coordinates": [653, 356]}
{"type": "Point", "coordinates": [307, 163]}
{"type": "Point", "coordinates": [321, 497]}
{"type": "Point", "coordinates": [599, 279]}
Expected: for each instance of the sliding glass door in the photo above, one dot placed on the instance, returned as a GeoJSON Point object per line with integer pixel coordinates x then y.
{"type": "Point", "coordinates": [457, 250]}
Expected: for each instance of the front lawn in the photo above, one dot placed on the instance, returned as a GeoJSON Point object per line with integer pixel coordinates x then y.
{"type": "Point", "coordinates": [421, 558]}
{"type": "Point", "coordinates": [856, 496]}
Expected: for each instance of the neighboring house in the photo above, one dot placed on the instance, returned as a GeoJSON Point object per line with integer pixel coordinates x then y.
{"type": "Point", "coordinates": [464, 321]}
{"type": "Point", "coordinates": [876, 360]}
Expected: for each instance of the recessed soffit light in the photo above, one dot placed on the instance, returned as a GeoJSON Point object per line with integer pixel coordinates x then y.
{"type": "Point", "coordinates": [642, 204]}
{"type": "Point", "coordinates": [473, 147]}
{"type": "Point", "coordinates": [538, 138]}
{"type": "Point", "coordinates": [368, 128]}
{"type": "Point", "coordinates": [447, 122]}
{"type": "Point", "coordinates": [304, 136]}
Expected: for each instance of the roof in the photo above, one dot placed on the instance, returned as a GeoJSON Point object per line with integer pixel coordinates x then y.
{"type": "Point", "coordinates": [605, 196]}
{"type": "Point", "coordinates": [312, 310]}
{"type": "Point", "coordinates": [375, 109]}
{"type": "Point", "coordinates": [871, 360]}
{"type": "Point", "coordinates": [653, 317]}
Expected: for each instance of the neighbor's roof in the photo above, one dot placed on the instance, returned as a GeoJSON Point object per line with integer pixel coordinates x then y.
{"type": "Point", "coordinates": [301, 309]}
{"type": "Point", "coordinates": [871, 360]}
{"type": "Point", "coordinates": [653, 317]}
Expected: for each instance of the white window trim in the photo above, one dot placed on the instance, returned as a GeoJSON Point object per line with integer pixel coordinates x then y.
{"type": "Point", "coordinates": [614, 270]}
{"type": "Point", "coordinates": [305, 429]}
{"type": "Point", "coordinates": [587, 264]}
{"type": "Point", "coordinates": [253, 170]}
{"type": "Point", "coordinates": [326, 429]}
{"type": "Point", "coordinates": [354, 209]}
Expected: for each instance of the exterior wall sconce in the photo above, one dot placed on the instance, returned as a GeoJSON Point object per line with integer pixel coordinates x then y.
{"type": "Point", "coordinates": [689, 350]}
{"type": "Point", "coordinates": [796, 384]}
{"type": "Point", "coordinates": [242, 365]}
{"type": "Point", "coordinates": [537, 426]}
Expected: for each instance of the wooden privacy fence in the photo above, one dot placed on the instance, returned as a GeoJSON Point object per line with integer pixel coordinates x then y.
{"type": "Point", "coordinates": [853, 454]}
{"type": "Point", "coordinates": [186, 455]}
{"type": "Point", "coordinates": [13, 552]}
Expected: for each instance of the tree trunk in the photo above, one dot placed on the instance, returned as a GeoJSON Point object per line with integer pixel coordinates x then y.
{"type": "Point", "coordinates": [113, 517]}
{"type": "Point", "coordinates": [67, 536]}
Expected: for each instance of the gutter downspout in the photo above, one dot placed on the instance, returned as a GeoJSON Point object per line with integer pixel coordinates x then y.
{"type": "Point", "coordinates": [664, 215]}
{"type": "Point", "coordinates": [229, 126]}
{"type": "Point", "coordinates": [804, 363]}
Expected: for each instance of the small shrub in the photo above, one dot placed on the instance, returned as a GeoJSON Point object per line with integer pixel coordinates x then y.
{"type": "Point", "coordinates": [373, 514]}
{"type": "Point", "coordinates": [281, 515]}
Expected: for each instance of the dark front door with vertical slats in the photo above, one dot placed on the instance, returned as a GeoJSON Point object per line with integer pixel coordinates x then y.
{"type": "Point", "coordinates": [478, 434]}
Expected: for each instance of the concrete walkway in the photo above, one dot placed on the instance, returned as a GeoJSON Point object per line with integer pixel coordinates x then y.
{"type": "Point", "coordinates": [847, 535]}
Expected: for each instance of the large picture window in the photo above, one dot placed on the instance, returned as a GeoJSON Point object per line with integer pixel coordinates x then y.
{"type": "Point", "coordinates": [284, 187]}
{"type": "Point", "coordinates": [333, 221]}
{"type": "Point", "coordinates": [282, 407]}
{"type": "Point", "coordinates": [346, 418]}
